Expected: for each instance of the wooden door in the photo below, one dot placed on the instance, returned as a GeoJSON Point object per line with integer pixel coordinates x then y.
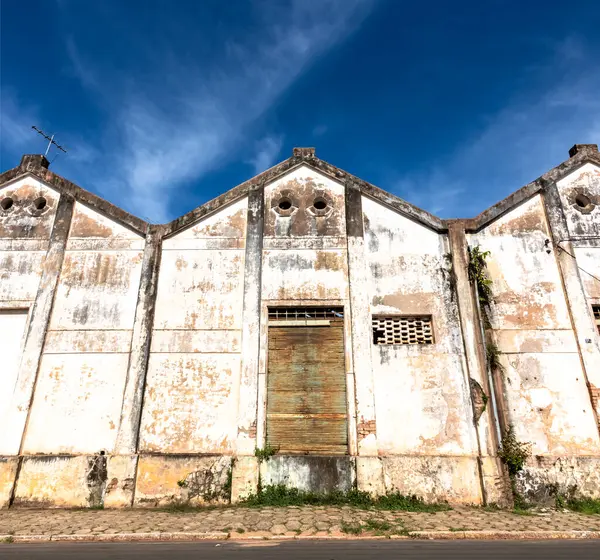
{"type": "Point", "coordinates": [306, 388]}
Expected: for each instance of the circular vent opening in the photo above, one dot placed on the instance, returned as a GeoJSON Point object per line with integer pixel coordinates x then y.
{"type": "Point", "coordinates": [285, 204]}
{"type": "Point", "coordinates": [40, 203]}
{"type": "Point", "coordinates": [7, 203]}
{"type": "Point", "coordinates": [320, 204]}
{"type": "Point", "coordinates": [582, 201]}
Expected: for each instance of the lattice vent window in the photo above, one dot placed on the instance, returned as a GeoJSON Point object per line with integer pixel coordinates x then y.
{"type": "Point", "coordinates": [300, 313]}
{"type": "Point", "coordinates": [596, 309]}
{"type": "Point", "coordinates": [402, 330]}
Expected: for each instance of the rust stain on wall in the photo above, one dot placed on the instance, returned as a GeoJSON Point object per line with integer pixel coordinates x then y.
{"type": "Point", "coordinates": [84, 225]}
{"type": "Point", "coordinates": [327, 260]}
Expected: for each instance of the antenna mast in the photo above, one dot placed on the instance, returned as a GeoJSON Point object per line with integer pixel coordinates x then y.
{"type": "Point", "coordinates": [50, 141]}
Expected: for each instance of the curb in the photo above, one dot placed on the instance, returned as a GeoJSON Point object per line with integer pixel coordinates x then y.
{"type": "Point", "coordinates": [504, 535]}
{"type": "Point", "coordinates": [221, 536]}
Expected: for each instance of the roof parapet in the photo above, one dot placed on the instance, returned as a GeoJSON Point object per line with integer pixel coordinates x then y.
{"type": "Point", "coordinates": [31, 162]}
{"type": "Point", "coordinates": [304, 153]}
{"type": "Point", "coordinates": [583, 149]}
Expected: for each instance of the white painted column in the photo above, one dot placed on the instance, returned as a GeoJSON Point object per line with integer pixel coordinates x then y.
{"type": "Point", "coordinates": [245, 469]}
{"type": "Point", "coordinates": [131, 411]}
{"type": "Point", "coordinates": [248, 396]}
{"type": "Point", "coordinates": [494, 484]}
{"type": "Point", "coordinates": [364, 389]}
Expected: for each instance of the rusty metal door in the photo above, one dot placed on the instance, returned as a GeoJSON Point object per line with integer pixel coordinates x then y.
{"type": "Point", "coordinates": [306, 387]}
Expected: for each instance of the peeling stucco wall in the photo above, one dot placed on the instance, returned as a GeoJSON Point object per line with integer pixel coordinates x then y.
{"type": "Point", "coordinates": [24, 238]}
{"type": "Point", "coordinates": [304, 255]}
{"type": "Point", "coordinates": [422, 397]}
{"type": "Point", "coordinates": [547, 400]}
{"type": "Point", "coordinates": [191, 394]}
{"type": "Point", "coordinates": [82, 372]}
{"type": "Point", "coordinates": [137, 363]}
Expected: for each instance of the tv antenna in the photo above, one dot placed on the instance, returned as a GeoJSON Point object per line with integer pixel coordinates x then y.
{"type": "Point", "coordinates": [50, 141]}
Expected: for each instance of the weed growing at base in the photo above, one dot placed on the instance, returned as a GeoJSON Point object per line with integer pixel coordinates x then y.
{"type": "Point", "coordinates": [588, 506]}
{"type": "Point", "coordinates": [280, 495]}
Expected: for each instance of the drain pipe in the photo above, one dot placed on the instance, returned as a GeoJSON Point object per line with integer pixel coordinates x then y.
{"type": "Point", "coordinates": [488, 371]}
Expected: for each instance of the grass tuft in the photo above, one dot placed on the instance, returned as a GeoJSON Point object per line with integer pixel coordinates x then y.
{"type": "Point", "coordinates": [377, 525]}
{"type": "Point", "coordinates": [351, 529]}
{"type": "Point", "coordinates": [589, 506]}
{"type": "Point", "coordinates": [281, 496]}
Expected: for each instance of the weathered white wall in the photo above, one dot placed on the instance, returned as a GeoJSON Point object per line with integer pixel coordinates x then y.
{"type": "Point", "coordinates": [544, 386]}
{"type": "Point", "coordinates": [304, 255]}
{"type": "Point", "coordinates": [584, 226]}
{"type": "Point", "coordinates": [586, 181]}
{"type": "Point", "coordinates": [588, 260]}
{"type": "Point", "coordinates": [191, 395]}
{"type": "Point", "coordinates": [409, 411]}
{"type": "Point", "coordinates": [422, 395]}
{"type": "Point", "coordinates": [79, 390]}
{"type": "Point", "coordinates": [12, 328]}
{"type": "Point", "coordinates": [24, 238]}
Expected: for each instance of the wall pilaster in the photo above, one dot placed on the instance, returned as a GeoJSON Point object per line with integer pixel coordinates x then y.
{"type": "Point", "coordinates": [131, 412]}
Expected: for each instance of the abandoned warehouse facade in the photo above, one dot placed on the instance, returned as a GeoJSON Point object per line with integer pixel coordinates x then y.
{"type": "Point", "coordinates": [305, 328]}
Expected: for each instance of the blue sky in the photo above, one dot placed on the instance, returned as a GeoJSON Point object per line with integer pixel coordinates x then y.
{"type": "Point", "coordinates": [164, 105]}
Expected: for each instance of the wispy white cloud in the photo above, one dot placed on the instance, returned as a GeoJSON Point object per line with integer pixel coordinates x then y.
{"type": "Point", "coordinates": [171, 135]}
{"type": "Point", "coordinates": [82, 71]}
{"type": "Point", "coordinates": [529, 136]}
{"type": "Point", "coordinates": [16, 120]}
{"type": "Point", "coordinates": [267, 150]}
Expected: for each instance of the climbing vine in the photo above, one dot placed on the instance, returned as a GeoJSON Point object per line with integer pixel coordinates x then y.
{"type": "Point", "coordinates": [492, 356]}
{"type": "Point", "coordinates": [478, 275]}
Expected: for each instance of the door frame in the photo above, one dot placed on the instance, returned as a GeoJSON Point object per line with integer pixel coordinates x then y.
{"type": "Point", "coordinates": [261, 420]}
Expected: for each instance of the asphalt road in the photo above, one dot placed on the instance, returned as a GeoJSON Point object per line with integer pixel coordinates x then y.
{"type": "Point", "coordinates": [313, 550]}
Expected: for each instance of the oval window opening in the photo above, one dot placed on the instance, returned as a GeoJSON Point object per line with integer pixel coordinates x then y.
{"type": "Point", "coordinates": [40, 203]}
{"type": "Point", "coordinates": [320, 204]}
{"type": "Point", "coordinates": [285, 204]}
{"type": "Point", "coordinates": [7, 203]}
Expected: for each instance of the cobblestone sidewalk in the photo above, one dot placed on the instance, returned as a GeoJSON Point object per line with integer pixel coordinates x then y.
{"type": "Point", "coordinates": [285, 522]}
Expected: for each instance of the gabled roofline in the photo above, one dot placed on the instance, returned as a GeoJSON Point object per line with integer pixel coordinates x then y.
{"type": "Point", "coordinates": [37, 166]}
{"type": "Point", "coordinates": [305, 156]}
{"type": "Point", "coordinates": [577, 160]}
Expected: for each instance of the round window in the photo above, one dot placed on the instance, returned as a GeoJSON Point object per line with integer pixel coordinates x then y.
{"type": "Point", "coordinates": [7, 203]}
{"type": "Point", "coordinates": [40, 203]}
{"type": "Point", "coordinates": [320, 204]}
{"type": "Point", "coordinates": [582, 201]}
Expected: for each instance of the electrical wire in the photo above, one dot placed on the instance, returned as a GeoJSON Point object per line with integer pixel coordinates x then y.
{"type": "Point", "coordinates": [575, 258]}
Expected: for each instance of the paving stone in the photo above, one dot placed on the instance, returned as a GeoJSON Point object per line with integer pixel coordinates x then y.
{"type": "Point", "coordinates": [306, 520]}
{"type": "Point", "coordinates": [263, 525]}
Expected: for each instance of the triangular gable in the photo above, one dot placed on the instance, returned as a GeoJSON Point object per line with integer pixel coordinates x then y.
{"type": "Point", "coordinates": [306, 157]}
{"type": "Point", "coordinates": [36, 166]}
{"type": "Point", "coordinates": [555, 175]}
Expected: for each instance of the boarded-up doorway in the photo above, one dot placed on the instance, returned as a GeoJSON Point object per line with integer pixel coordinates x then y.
{"type": "Point", "coordinates": [306, 381]}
